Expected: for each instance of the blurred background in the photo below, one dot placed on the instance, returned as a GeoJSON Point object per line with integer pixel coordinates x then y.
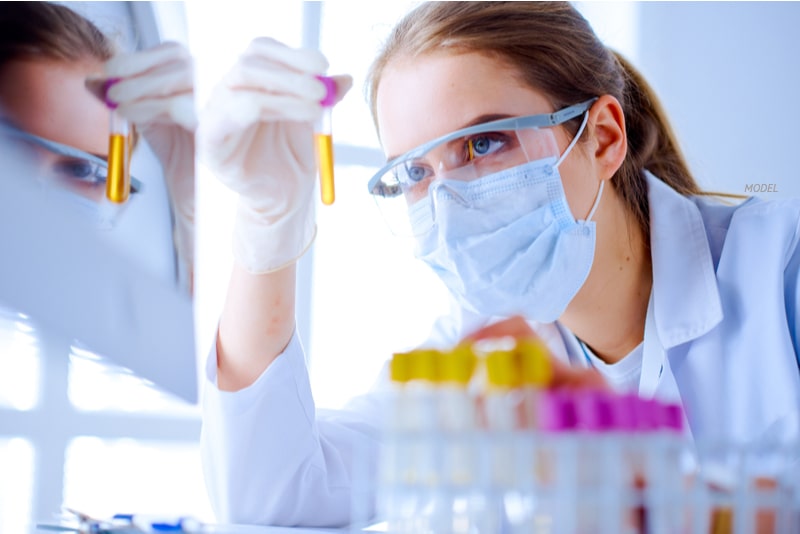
{"type": "Point", "coordinates": [103, 441]}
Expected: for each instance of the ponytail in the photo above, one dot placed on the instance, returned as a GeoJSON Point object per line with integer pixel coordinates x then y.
{"type": "Point", "coordinates": [652, 145]}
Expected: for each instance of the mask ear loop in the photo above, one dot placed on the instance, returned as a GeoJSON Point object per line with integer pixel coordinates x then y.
{"type": "Point", "coordinates": [574, 140]}
{"type": "Point", "coordinates": [596, 201]}
{"type": "Point", "coordinates": [568, 150]}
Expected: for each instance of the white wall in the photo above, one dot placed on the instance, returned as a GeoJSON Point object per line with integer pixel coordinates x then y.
{"type": "Point", "coordinates": [728, 75]}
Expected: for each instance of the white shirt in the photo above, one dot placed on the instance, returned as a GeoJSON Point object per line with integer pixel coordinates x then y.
{"type": "Point", "coordinates": [720, 337]}
{"type": "Point", "coordinates": [624, 375]}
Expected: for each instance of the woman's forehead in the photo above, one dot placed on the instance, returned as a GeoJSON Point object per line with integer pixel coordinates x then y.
{"type": "Point", "coordinates": [48, 98]}
{"type": "Point", "coordinates": [428, 96]}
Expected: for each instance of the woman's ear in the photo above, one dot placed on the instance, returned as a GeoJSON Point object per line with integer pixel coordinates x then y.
{"type": "Point", "coordinates": [607, 126]}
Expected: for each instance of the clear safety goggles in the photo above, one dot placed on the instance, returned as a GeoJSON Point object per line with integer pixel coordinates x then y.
{"type": "Point", "coordinates": [63, 165]}
{"type": "Point", "coordinates": [464, 155]}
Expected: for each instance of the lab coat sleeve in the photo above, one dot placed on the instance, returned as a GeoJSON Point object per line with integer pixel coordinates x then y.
{"type": "Point", "coordinates": [270, 459]}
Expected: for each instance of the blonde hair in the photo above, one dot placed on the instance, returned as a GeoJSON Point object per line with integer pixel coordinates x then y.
{"type": "Point", "coordinates": [553, 49]}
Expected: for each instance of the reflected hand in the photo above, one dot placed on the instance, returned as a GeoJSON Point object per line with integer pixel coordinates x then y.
{"type": "Point", "coordinates": [564, 376]}
{"type": "Point", "coordinates": [155, 92]}
{"type": "Point", "coordinates": [256, 135]}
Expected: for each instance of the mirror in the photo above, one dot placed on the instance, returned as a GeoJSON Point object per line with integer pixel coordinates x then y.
{"type": "Point", "coordinates": [112, 275]}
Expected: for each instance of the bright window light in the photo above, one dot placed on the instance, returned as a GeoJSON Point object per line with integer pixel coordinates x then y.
{"type": "Point", "coordinates": [97, 385]}
{"type": "Point", "coordinates": [19, 363]}
{"type": "Point", "coordinates": [370, 296]}
{"type": "Point", "coordinates": [350, 39]}
{"type": "Point", "coordinates": [105, 477]}
{"type": "Point", "coordinates": [615, 23]}
{"type": "Point", "coordinates": [16, 485]}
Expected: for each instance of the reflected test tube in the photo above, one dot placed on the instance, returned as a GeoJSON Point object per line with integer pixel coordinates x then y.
{"type": "Point", "coordinates": [118, 181]}
{"type": "Point", "coordinates": [323, 141]}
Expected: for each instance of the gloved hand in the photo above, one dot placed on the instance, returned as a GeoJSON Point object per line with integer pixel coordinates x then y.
{"type": "Point", "coordinates": [256, 135]}
{"type": "Point", "coordinates": [155, 91]}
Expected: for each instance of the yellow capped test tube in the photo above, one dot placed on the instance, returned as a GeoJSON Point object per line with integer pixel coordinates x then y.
{"type": "Point", "coordinates": [323, 141]}
{"type": "Point", "coordinates": [118, 180]}
{"type": "Point", "coordinates": [457, 365]}
{"type": "Point", "coordinates": [502, 369]}
{"type": "Point", "coordinates": [535, 365]}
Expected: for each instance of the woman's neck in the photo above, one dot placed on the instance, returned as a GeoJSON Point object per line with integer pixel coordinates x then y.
{"type": "Point", "coordinates": [609, 311]}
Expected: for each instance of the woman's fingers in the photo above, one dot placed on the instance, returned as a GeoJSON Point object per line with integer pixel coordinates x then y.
{"type": "Point", "coordinates": [173, 110]}
{"type": "Point", "coordinates": [564, 376]}
{"type": "Point", "coordinates": [259, 74]}
{"type": "Point", "coordinates": [164, 81]}
{"type": "Point", "coordinates": [139, 63]}
{"type": "Point", "coordinates": [515, 327]}
{"type": "Point", "coordinates": [298, 59]}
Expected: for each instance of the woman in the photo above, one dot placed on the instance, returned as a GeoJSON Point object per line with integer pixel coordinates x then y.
{"type": "Point", "coordinates": [574, 213]}
{"type": "Point", "coordinates": [49, 55]}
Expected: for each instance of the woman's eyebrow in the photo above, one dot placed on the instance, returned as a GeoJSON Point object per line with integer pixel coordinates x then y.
{"type": "Point", "coordinates": [480, 119]}
{"type": "Point", "coordinates": [487, 117]}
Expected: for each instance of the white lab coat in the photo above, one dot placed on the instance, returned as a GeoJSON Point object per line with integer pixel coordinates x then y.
{"type": "Point", "coordinates": [721, 338]}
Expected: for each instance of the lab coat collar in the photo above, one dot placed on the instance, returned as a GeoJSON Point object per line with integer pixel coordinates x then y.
{"type": "Point", "coordinates": [685, 294]}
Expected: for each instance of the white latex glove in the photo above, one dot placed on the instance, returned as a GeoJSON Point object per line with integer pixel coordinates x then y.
{"type": "Point", "coordinates": [256, 135]}
{"type": "Point", "coordinates": [155, 92]}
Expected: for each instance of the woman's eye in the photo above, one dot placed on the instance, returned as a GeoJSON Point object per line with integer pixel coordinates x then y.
{"type": "Point", "coordinates": [483, 145]}
{"type": "Point", "coordinates": [412, 173]}
{"type": "Point", "coordinates": [416, 174]}
{"type": "Point", "coordinates": [77, 170]}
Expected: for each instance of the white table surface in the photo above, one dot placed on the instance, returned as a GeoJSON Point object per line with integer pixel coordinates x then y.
{"type": "Point", "coordinates": [252, 529]}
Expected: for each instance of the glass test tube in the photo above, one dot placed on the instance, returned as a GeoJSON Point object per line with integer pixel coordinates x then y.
{"type": "Point", "coordinates": [463, 502]}
{"type": "Point", "coordinates": [323, 141]}
{"type": "Point", "coordinates": [118, 180]}
{"type": "Point", "coordinates": [557, 473]}
{"type": "Point", "coordinates": [410, 472]}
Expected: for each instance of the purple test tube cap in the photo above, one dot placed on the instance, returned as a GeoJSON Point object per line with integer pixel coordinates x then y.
{"type": "Point", "coordinates": [648, 414]}
{"type": "Point", "coordinates": [672, 417]}
{"type": "Point", "coordinates": [330, 91]}
{"type": "Point", "coordinates": [623, 412]}
{"type": "Point", "coordinates": [110, 104]}
{"type": "Point", "coordinates": [593, 411]}
{"type": "Point", "coordinates": [555, 411]}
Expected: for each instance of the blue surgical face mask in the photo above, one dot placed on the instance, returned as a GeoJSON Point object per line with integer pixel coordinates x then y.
{"type": "Point", "coordinates": [507, 243]}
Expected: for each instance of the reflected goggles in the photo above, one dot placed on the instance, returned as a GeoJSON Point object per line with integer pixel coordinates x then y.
{"type": "Point", "coordinates": [75, 165]}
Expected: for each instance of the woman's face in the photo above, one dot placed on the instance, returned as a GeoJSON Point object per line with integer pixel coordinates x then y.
{"type": "Point", "coordinates": [48, 98]}
{"type": "Point", "coordinates": [426, 97]}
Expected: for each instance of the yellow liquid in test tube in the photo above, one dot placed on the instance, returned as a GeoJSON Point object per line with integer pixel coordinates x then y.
{"type": "Point", "coordinates": [324, 143]}
{"type": "Point", "coordinates": [118, 181]}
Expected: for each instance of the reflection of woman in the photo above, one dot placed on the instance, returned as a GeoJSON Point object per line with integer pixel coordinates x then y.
{"type": "Point", "coordinates": [47, 53]}
{"type": "Point", "coordinates": [591, 220]}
